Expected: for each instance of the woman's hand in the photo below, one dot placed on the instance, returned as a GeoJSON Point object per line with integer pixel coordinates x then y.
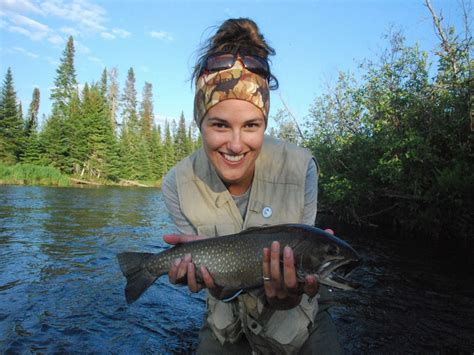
{"type": "Point", "coordinates": [281, 288]}
{"type": "Point", "coordinates": [182, 270]}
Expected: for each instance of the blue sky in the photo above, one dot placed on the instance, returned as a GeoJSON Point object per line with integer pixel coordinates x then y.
{"type": "Point", "coordinates": [314, 40]}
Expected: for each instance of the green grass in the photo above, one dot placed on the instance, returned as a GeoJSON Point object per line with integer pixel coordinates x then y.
{"type": "Point", "coordinates": [29, 174]}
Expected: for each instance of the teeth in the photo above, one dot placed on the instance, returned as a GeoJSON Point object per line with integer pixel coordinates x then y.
{"type": "Point", "coordinates": [233, 157]}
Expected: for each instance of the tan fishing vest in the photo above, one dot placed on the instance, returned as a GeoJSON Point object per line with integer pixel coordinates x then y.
{"type": "Point", "coordinates": [276, 196]}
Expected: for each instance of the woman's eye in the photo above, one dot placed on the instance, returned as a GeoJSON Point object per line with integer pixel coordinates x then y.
{"type": "Point", "coordinates": [252, 125]}
{"type": "Point", "coordinates": [219, 125]}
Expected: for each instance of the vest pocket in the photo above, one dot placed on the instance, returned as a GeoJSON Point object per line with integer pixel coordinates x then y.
{"type": "Point", "coordinates": [224, 320]}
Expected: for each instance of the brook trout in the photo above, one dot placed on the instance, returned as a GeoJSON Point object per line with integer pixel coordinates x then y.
{"type": "Point", "coordinates": [235, 261]}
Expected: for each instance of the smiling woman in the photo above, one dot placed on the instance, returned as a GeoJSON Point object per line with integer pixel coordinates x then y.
{"type": "Point", "coordinates": [241, 179]}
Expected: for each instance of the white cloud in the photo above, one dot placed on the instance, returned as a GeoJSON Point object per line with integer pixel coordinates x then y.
{"type": "Point", "coordinates": [3, 23]}
{"type": "Point", "coordinates": [57, 40]}
{"type": "Point", "coordinates": [19, 6]}
{"type": "Point", "coordinates": [121, 33]}
{"type": "Point", "coordinates": [25, 52]}
{"type": "Point", "coordinates": [21, 20]}
{"type": "Point", "coordinates": [88, 16]}
{"type": "Point", "coordinates": [107, 35]}
{"type": "Point", "coordinates": [35, 36]}
{"type": "Point", "coordinates": [161, 35]}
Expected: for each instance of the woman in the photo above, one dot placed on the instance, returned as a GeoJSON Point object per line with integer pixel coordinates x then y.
{"type": "Point", "coordinates": [239, 179]}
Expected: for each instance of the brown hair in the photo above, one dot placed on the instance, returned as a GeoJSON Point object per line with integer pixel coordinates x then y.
{"type": "Point", "coordinates": [240, 36]}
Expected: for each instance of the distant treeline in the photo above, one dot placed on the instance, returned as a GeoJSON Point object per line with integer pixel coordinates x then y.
{"type": "Point", "coordinates": [394, 147]}
{"type": "Point", "coordinates": [97, 132]}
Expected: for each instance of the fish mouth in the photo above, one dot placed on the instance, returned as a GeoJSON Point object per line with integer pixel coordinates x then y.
{"type": "Point", "coordinates": [334, 273]}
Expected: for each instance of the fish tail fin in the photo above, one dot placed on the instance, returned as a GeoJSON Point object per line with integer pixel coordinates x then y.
{"type": "Point", "coordinates": [138, 276]}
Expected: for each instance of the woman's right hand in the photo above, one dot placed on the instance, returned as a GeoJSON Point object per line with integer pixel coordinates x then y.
{"type": "Point", "coordinates": [183, 271]}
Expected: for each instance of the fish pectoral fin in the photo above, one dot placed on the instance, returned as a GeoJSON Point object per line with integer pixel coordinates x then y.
{"type": "Point", "coordinates": [225, 294]}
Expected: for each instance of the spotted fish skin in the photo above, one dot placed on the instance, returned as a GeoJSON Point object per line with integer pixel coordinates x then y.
{"type": "Point", "coordinates": [235, 261]}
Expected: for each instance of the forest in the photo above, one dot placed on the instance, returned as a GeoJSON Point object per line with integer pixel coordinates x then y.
{"type": "Point", "coordinates": [394, 143]}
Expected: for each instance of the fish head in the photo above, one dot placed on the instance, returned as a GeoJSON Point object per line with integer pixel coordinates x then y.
{"type": "Point", "coordinates": [330, 259]}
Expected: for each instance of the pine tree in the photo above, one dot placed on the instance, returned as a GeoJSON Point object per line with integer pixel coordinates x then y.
{"type": "Point", "coordinates": [168, 149]}
{"type": "Point", "coordinates": [113, 96]}
{"type": "Point", "coordinates": [181, 144]}
{"type": "Point", "coordinates": [146, 111]}
{"type": "Point", "coordinates": [65, 83]}
{"type": "Point", "coordinates": [11, 125]}
{"type": "Point", "coordinates": [104, 83]}
{"type": "Point", "coordinates": [101, 145]}
{"type": "Point", "coordinates": [60, 131]}
{"type": "Point", "coordinates": [32, 118]}
{"type": "Point", "coordinates": [32, 151]}
{"type": "Point", "coordinates": [135, 158]}
{"type": "Point", "coordinates": [157, 155]}
{"type": "Point", "coordinates": [129, 104]}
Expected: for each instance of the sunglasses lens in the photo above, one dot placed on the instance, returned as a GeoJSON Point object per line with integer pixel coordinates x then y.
{"type": "Point", "coordinates": [256, 64]}
{"type": "Point", "coordinates": [220, 62]}
{"type": "Point", "coordinates": [224, 61]}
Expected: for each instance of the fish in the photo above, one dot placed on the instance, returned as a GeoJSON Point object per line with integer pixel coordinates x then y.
{"type": "Point", "coordinates": [235, 261]}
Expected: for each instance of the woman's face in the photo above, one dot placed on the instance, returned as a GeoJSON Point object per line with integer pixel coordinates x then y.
{"type": "Point", "coordinates": [232, 134]}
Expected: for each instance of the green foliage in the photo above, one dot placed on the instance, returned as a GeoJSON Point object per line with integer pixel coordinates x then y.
{"type": "Point", "coordinates": [396, 149]}
{"type": "Point", "coordinates": [11, 123]}
{"type": "Point", "coordinates": [32, 175]}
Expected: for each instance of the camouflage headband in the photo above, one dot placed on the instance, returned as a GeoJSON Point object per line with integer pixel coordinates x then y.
{"type": "Point", "coordinates": [233, 83]}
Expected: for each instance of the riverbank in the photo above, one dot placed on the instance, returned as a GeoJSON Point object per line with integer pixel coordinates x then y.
{"type": "Point", "coordinates": [30, 174]}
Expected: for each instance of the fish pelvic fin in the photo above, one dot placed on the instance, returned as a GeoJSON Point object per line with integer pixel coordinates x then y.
{"type": "Point", "coordinates": [138, 276]}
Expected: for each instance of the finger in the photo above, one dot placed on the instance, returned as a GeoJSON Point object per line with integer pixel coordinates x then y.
{"type": "Point", "coordinates": [193, 285]}
{"type": "Point", "coordinates": [289, 273]}
{"type": "Point", "coordinates": [267, 285]}
{"type": "Point", "coordinates": [207, 278]}
{"type": "Point", "coordinates": [275, 265]}
{"type": "Point", "coordinates": [311, 285]}
{"type": "Point", "coordinates": [329, 230]}
{"type": "Point", "coordinates": [183, 268]}
{"type": "Point", "coordinates": [179, 238]}
{"type": "Point", "coordinates": [174, 270]}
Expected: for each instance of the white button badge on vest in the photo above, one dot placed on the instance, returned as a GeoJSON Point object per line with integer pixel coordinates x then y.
{"type": "Point", "coordinates": [267, 212]}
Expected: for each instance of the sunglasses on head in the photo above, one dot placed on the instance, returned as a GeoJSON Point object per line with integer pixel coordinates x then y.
{"type": "Point", "coordinates": [222, 61]}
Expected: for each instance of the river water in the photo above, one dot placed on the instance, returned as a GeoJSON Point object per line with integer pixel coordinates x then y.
{"type": "Point", "coordinates": [61, 289]}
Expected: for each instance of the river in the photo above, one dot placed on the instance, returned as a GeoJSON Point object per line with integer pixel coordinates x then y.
{"type": "Point", "coordinates": [61, 289]}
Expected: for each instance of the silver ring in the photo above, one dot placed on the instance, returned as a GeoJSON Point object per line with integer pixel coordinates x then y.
{"type": "Point", "coordinates": [266, 278]}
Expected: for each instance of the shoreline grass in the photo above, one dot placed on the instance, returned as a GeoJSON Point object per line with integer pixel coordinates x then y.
{"type": "Point", "coordinates": [30, 174]}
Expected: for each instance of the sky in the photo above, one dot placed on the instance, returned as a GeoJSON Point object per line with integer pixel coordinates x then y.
{"type": "Point", "coordinates": [314, 40]}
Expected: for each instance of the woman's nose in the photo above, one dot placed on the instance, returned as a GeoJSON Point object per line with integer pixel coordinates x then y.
{"type": "Point", "coordinates": [235, 144]}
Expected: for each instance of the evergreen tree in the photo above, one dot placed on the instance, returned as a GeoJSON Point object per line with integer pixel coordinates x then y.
{"type": "Point", "coordinates": [129, 104]}
{"type": "Point", "coordinates": [146, 111]}
{"type": "Point", "coordinates": [11, 125]}
{"type": "Point", "coordinates": [65, 83]}
{"type": "Point", "coordinates": [32, 151]}
{"type": "Point", "coordinates": [32, 118]}
{"type": "Point", "coordinates": [61, 130]}
{"type": "Point", "coordinates": [113, 96]}
{"type": "Point", "coordinates": [134, 148]}
{"type": "Point", "coordinates": [181, 143]}
{"type": "Point", "coordinates": [156, 154]}
{"type": "Point", "coordinates": [103, 83]}
{"type": "Point", "coordinates": [168, 149]}
{"type": "Point", "coordinates": [101, 146]}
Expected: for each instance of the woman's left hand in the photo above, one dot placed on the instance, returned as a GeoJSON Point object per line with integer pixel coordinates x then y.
{"type": "Point", "coordinates": [281, 287]}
